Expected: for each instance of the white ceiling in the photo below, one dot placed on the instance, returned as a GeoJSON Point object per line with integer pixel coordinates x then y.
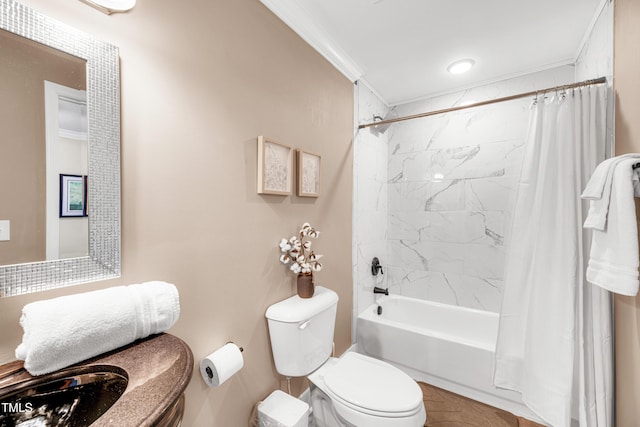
{"type": "Point", "coordinates": [401, 48]}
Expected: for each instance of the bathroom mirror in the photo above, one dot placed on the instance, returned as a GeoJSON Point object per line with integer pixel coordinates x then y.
{"type": "Point", "coordinates": [44, 135]}
{"type": "Point", "coordinates": [102, 201]}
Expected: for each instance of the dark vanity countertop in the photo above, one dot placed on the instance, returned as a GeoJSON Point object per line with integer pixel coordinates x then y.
{"type": "Point", "coordinates": [159, 369]}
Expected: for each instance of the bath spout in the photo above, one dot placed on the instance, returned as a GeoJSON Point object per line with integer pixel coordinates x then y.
{"type": "Point", "coordinates": [378, 290]}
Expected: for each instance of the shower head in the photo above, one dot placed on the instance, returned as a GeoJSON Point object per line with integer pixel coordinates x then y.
{"type": "Point", "coordinates": [378, 130]}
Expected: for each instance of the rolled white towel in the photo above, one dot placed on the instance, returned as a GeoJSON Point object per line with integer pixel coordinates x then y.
{"type": "Point", "coordinates": [62, 331]}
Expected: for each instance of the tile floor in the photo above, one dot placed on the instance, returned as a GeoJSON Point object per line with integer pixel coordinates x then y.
{"type": "Point", "coordinates": [446, 409]}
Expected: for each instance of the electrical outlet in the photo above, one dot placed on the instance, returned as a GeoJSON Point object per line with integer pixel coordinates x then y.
{"type": "Point", "coordinates": [5, 230]}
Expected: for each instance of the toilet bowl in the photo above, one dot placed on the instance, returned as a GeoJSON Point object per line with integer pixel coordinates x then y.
{"type": "Point", "coordinates": [354, 390]}
{"type": "Point", "coordinates": [362, 391]}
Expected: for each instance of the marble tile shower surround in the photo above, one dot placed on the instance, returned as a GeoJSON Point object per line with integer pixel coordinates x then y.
{"type": "Point", "coordinates": [370, 199]}
{"type": "Point", "coordinates": [596, 60]}
{"type": "Point", "coordinates": [596, 57]}
{"type": "Point", "coordinates": [451, 187]}
{"type": "Point", "coordinates": [431, 196]}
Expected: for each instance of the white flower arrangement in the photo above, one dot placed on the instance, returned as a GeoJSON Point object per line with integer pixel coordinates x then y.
{"type": "Point", "coordinates": [297, 251]}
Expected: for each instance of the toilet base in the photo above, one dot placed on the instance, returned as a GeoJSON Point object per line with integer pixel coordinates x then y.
{"type": "Point", "coordinates": [324, 413]}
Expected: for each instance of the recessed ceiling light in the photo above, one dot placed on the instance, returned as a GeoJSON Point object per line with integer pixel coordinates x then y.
{"type": "Point", "coordinates": [461, 66]}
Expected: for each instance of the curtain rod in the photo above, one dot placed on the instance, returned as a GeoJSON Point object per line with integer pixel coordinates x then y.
{"type": "Point", "coordinates": [490, 101]}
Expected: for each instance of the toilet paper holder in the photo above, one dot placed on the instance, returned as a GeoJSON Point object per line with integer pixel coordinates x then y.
{"type": "Point", "coordinates": [208, 369]}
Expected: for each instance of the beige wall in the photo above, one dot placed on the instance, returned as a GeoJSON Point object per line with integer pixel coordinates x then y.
{"type": "Point", "coordinates": [24, 66]}
{"type": "Point", "coordinates": [200, 81]}
{"type": "Point", "coordinates": [627, 128]}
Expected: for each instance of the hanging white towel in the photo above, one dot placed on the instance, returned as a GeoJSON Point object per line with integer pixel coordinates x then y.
{"type": "Point", "coordinates": [613, 262]}
{"type": "Point", "coordinates": [62, 331]}
{"type": "Point", "coordinates": [598, 190]}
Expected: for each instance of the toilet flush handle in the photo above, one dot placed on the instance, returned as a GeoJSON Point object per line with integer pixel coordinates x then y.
{"type": "Point", "coordinates": [303, 325]}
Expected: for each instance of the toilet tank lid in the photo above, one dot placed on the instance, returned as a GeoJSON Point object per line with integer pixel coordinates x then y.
{"type": "Point", "coordinates": [296, 309]}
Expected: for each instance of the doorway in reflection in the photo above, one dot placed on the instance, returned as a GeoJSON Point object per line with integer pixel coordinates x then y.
{"type": "Point", "coordinates": [67, 228]}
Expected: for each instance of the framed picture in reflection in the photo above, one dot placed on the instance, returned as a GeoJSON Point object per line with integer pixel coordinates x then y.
{"type": "Point", "coordinates": [73, 195]}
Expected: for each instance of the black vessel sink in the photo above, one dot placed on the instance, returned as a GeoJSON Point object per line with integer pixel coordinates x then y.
{"type": "Point", "coordinates": [73, 397]}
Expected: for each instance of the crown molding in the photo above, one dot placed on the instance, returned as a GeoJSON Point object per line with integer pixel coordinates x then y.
{"type": "Point", "coordinates": [293, 15]}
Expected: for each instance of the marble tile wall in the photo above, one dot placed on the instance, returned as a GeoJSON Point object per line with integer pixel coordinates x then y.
{"type": "Point", "coordinates": [596, 57]}
{"type": "Point", "coordinates": [370, 203]}
{"type": "Point", "coordinates": [596, 60]}
{"type": "Point", "coordinates": [451, 185]}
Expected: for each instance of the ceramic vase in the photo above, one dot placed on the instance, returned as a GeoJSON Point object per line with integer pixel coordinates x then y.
{"type": "Point", "coordinates": [305, 285]}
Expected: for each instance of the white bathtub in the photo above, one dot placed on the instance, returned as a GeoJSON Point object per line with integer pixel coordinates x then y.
{"type": "Point", "coordinates": [447, 346]}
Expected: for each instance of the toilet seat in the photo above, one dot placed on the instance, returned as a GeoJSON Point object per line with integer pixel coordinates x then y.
{"type": "Point", "coordinates": [369, 392]}
{"type": "Point", "coordinates": [373, 386]}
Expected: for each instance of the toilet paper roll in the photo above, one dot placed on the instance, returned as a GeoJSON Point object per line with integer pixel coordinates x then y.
{"type": "Point", "coordinates": [220, 365]}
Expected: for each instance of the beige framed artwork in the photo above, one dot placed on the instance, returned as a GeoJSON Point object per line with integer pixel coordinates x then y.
{"type": "Point", "coordinates": [308, 174]}
{"type": "Point", "coordinates": [275, 167]}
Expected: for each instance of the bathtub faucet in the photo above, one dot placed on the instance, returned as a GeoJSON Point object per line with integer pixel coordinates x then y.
{"type": "Point", "coordinates": [378, 290]}
{"type": "Point", "coordinates": [376, 267]}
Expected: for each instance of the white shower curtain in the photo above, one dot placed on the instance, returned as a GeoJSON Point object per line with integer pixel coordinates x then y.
{"type": "Point", "coordinates": [555, 337]}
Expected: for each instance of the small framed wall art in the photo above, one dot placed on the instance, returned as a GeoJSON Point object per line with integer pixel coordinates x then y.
{"type": "Point", "coordinates": [73, 195]}
{"type": "Point", "coordinates": [275, 166]}
{"type": "Point", "coordinates": [308, 174]}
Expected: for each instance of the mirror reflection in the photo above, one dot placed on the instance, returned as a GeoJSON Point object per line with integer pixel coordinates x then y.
{"type": "Point", "coordinates": [44, 152]}
{"type": "Point", "coordinates": [48, 192]}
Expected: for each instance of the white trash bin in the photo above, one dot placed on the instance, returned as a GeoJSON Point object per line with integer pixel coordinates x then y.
{"type": "Point", "coordinates": [282, 410]}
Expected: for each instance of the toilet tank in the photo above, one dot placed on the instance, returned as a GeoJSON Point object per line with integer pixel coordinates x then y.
{"type": "Point", "coordinates": [301, 331]}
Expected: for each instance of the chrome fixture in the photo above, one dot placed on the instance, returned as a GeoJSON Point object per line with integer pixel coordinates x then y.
{"type": "Point", "coordinates": [378, 130]}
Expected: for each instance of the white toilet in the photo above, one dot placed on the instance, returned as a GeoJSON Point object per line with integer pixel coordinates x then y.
{"type": "Point", "coordinates": [354, 390]}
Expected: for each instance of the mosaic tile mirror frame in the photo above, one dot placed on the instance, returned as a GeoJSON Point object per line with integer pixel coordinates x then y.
{"type": "Point", "coordinates": [103, 105]}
